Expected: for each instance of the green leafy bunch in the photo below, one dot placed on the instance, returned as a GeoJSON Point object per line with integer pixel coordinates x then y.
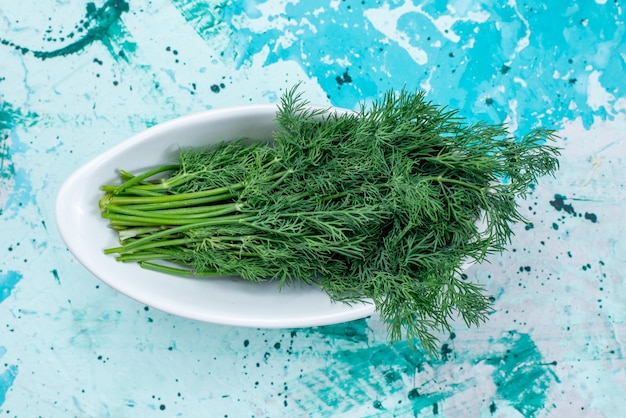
{"type": "Point", "coordinates": [385, 204]}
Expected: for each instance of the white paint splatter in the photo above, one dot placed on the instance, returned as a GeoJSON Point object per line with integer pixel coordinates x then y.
{"type": "Point", "coordinates": [524, 41]}
{"type": "Point", "coordinates": [425, 84]}
{"type": "Point", "coordinates": [385, 21]}
{"type": "Point", "coordinates": [520, 81]}
{"type": "Point", "coordinates": [597, 95]}
{"type": "Point", "coordinates": [470, 44]}
{"type": "Point", "coordinates": [285, 40]}
{"type": "Point", "coordinates": [318, 11]}
{"type": "Point", "coordinates": [444, 23]}
{"type": "Point", "coordinates": [511, 119]}
{"type": "Point", "coordinates": [620, 105]}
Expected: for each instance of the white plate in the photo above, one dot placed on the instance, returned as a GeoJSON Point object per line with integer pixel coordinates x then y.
{"type": "Point", "coordinates": [217, 300]}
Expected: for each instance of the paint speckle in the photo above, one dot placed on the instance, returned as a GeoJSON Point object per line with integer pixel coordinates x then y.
{"type": "Point", "coordinates": [445, 352]}
{"type": "Point", "coordinates": [591, 217]}
{"type": "Point", "coordinates": [55, 274]}
{"type": "Point", "coordinates": [216, 88]}
{"type": "Point", "coordinates": [344, 78]}
{"type": "Point", "coordinates": [559, 204]}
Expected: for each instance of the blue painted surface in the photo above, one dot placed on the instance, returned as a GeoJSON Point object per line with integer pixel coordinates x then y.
{"type": "Point", "coordinates": [78, 78]}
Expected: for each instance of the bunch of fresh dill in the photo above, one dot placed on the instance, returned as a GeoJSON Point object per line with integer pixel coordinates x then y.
{"type": "Point", "coordinates": [384, 204]}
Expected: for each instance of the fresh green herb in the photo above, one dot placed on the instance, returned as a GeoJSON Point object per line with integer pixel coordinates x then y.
{"type": "Point", "coordinates": [383, 204]}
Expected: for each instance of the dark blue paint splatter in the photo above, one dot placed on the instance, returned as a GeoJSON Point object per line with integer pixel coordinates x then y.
{"type": "Point", "coordinates": [591, 216]}
{"type": "Point", "coordinates": [559, 204]}
{"type": "Point", "coordinates": [99, 23]}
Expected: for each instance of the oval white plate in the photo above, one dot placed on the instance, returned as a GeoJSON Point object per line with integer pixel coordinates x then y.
{"type": "Point", "coordinates": [217, 300]}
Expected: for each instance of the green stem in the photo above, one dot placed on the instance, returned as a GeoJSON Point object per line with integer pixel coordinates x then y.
{"type": "Point", "coordinates": [147, 174]}
{"type": "Point", "coordinates": [454, 181]}
{"type": "Point", "coordinates": [127, 233]}
{"type": "Point", "coordinates": [223, 192]}
{"type": "Point", "coordinates": [171, 219]}
{"type": "Point", "coordinates": [174, 197]}
{"type": "Point", "coordinates": [223, 220]}
{"type": "Point", "coordinates": [168, 183]}
{"type": "Point", "coordinates": [189, 210]}
{"type": "Point", "coordinates": [177, 271]}
{"type": "Point", "coordinates": [151, 204]}
{"type": "Point", "coordinates": [125, 175]}
{"type": "Point", "coordinates": [150, 245]}
{"type": "Point", "coordinates": [145, 256]}
{"type": "Point", "coordinates": [144, 218]}
{"type": "Point", "coordinates": [119, 224]}
{"type": "Point", "coordinates": [334, 196]}
{"type": "Point", "coordinates": [145, 221]}
{"type": "Point", "coordinates": [282, 176]}
{"type": "Point", "coordinates": [130, 191]}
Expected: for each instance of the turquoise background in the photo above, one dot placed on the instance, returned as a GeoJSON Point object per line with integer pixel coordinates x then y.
{"type": "Point", "coordinates": [77, 78]}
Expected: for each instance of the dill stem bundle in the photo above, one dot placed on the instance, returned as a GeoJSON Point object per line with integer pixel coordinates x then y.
{"type": "Point", "coordinates": [384, 204]}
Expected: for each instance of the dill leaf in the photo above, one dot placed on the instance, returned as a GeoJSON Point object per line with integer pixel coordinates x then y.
{"type": "Point", "coordinates": [383, 204]}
